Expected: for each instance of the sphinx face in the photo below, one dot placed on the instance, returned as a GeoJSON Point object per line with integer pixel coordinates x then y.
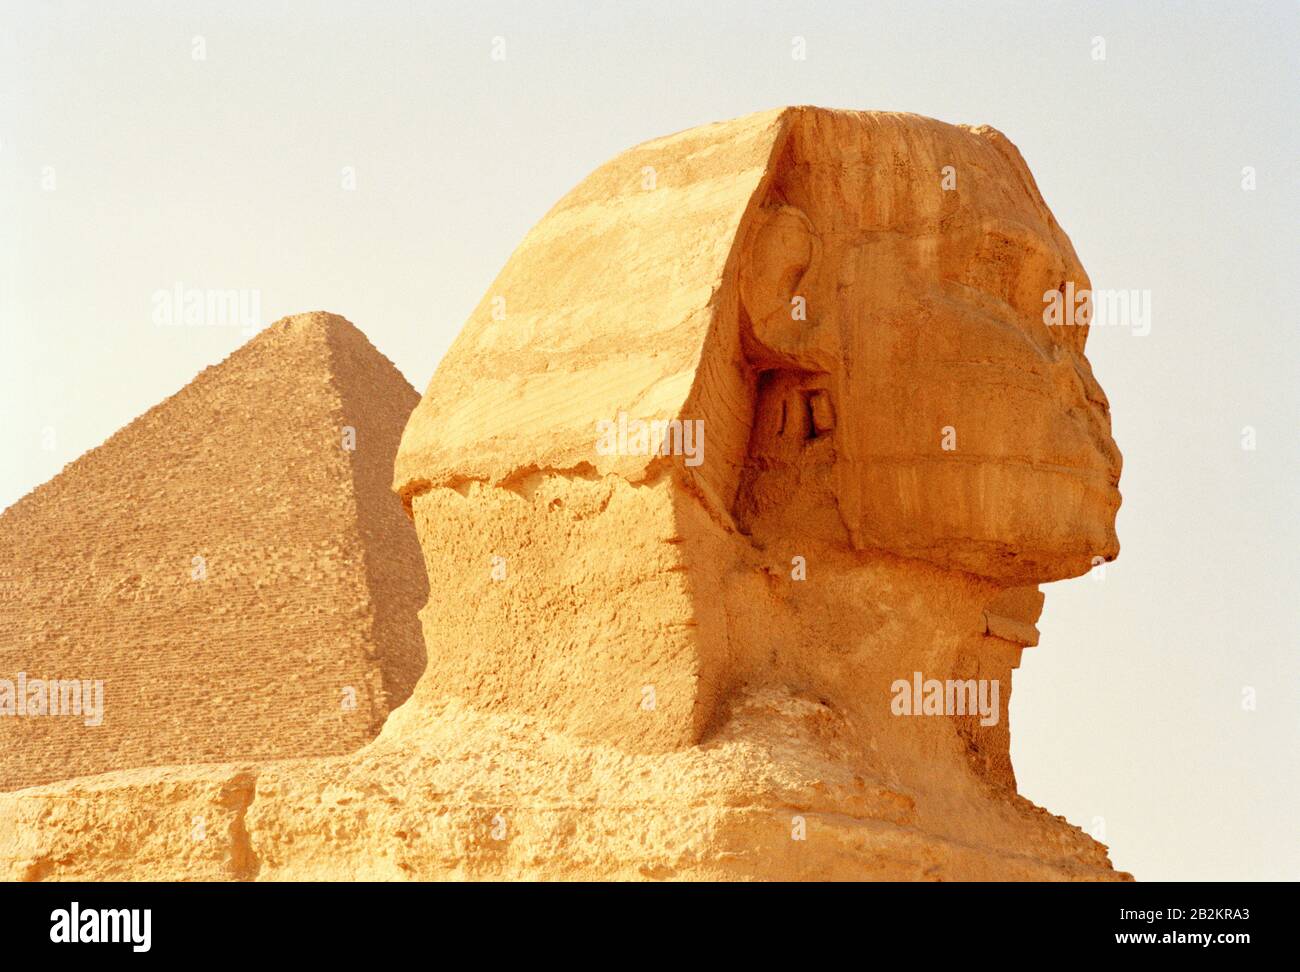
{"type": "Point", "coordinates": [894, 311]}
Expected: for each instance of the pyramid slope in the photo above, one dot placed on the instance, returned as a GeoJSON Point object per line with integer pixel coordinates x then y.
{"type": "Point", "coordinates": [376, 400]}
{"type": "Point", "coordinates": [267, 646]}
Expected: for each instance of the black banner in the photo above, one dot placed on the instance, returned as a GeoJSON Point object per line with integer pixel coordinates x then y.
{"type": "Point", "coordinates": [332, 921]}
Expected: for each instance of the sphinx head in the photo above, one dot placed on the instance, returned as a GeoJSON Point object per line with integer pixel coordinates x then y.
{"type": "Point", "coordinates": [911, 396]}
{"type": "Point", "coordinates": [851, 304]}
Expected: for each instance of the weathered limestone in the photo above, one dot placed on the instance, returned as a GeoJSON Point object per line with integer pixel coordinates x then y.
{"type": "Point", "coordinates": [241, 583]}
{"type": "Point", "coordinates": [641, 666]}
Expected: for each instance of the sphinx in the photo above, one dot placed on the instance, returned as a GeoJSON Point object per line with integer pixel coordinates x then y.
{"type": "Point", "coordinates": [643, 666]}
{"type": "Point", "coordinates": [866, 353]}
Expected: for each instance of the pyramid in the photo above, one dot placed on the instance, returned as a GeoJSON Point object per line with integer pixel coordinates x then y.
{"type": "Point", "coordinates": [231, 570]}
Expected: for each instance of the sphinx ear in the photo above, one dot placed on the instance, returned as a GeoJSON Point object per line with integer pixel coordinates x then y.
{"type": "Point", "coordinates": [779, 255]}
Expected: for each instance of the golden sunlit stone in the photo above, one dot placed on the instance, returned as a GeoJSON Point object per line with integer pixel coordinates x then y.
{"type": "Point", "coordinates": [642, 666]}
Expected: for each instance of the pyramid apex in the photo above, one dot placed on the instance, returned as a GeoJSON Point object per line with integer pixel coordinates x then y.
{"type": "Point", "coordinates": [313, 322]}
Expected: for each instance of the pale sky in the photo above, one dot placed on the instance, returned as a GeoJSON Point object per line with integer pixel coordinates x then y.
{"type": "Point", "coordinates": [128, 166]}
